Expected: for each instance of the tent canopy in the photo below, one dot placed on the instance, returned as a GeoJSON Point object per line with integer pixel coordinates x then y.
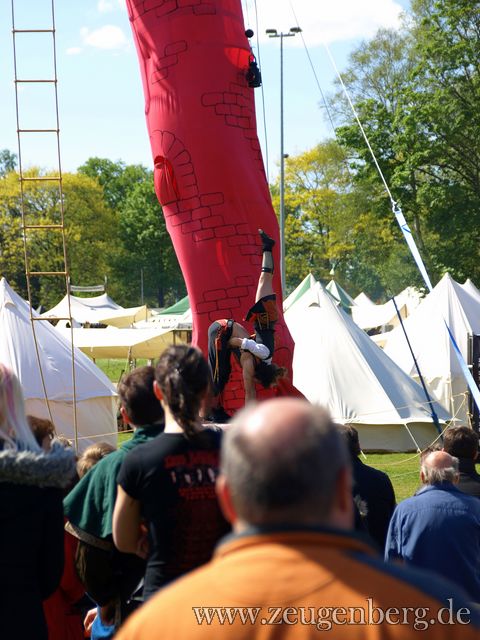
{"type": "Point", "coordinates": [83, 310]}
{"type": "Point", "coordinates": [337, 365]}
{"type": "Point", "coordinates": [122, 318]}
{"type": "Point", "coordinates": [123, 343]}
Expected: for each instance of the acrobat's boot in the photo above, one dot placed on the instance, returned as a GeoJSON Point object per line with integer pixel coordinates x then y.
{"type": "Point", "coordinates": [267, 246]}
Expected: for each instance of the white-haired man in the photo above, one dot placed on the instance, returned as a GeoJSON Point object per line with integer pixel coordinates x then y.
{"type": "Point", "coordinates": [439, 527]}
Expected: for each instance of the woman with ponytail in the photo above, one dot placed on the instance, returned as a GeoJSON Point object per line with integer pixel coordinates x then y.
{"type": "Point", "coordinates": [170, 482]}
{"type": "Point", "coordinates": [31, 516]}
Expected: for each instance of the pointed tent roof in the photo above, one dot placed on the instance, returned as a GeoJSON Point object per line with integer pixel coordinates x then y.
{"type": "Point", "coordinates": [471, 289]}
{"type": "Point", "coordinates": [363, 299]}
{"type": "Point", "coordinates": [338, 366]}
{"type": "Point", "coordinates": [340, 294]}
{"type": "Point", "coordinates": [179, 308]}
{"type": "Point", "coordinates": [450, 302]}
{"type": "Point", "coordinates": [305, 285]}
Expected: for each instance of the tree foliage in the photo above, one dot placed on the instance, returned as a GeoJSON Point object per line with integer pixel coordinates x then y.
{"type": "Point", "coordinates": [114, 227]}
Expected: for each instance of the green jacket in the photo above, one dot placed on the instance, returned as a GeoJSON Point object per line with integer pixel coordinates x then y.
{"type": "Point", "coordinates": [89, 506]}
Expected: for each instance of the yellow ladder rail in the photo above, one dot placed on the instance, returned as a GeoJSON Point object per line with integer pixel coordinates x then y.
{"type": "Point", "coordinates": [31, 227]}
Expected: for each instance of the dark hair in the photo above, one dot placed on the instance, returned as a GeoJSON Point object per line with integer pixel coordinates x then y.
{"type": "Point", "coordinates": [351, 438]}
{"type": "Point", "coordinates": [268, 374]}
{"type": "Point", "coordinates": [267, 479]}
{"type": "Point", "coordinates": [136, 395]}
{"type": "Point", "coordinates": [461, 442]}
{"type": "Point", "coordinates": [42, 428]}
{"type": "Point", "coordinates": [183, 376]}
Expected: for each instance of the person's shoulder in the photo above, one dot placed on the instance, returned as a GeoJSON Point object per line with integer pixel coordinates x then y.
{"type": "Point", "coordinates": [428, 583]}
{"type": "Point", "coordinates": [372, 474]}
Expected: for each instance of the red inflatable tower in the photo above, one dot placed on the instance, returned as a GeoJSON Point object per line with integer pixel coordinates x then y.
{"type": "Point", "coordinates": [209, 173]}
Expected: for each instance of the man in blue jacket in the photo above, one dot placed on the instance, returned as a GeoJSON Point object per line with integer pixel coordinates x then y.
{"type": "Point", "coordinates": [439, 527]}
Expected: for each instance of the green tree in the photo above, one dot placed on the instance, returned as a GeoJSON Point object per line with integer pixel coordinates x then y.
{"type": "Point", "coordinates": [116, 178]}
{"type": "Point", "coordinates": [146, 247]}
{"type": "Point", "coordinates": [90, 231]}
{"type": "Point", "coordinates": [333, 223]}
{"type": "Point", "coordinates": [8, 162]}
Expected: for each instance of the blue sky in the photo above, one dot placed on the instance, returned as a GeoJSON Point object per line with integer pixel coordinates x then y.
{"type": "Point", "coordinates": [100, 93]}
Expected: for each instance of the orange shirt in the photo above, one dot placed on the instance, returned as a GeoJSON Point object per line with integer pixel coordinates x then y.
{"type": "Point", "coordinates": [298, 584]}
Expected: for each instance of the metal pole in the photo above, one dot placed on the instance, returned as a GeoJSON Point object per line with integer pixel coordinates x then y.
{"type": "Point", "coordinates": [282, 175]}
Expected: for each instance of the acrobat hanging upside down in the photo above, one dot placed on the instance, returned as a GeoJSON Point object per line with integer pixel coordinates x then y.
{"type": "Point", "coordinates": [254, 354]}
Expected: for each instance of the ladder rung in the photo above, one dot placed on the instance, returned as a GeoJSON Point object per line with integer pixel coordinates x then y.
{"type": "Point", "coordinates": [40, 178]}
{"type": "Point", "coordinates": [33, 30]}
{"type": "Point", "coordinates": [43, 226]}
{"type": "Point", "coordinates": [38, 130]}
{"type": "Point", "coordinates": [23, 81]}
{"type": "Point", "coordinates": [47, 273]}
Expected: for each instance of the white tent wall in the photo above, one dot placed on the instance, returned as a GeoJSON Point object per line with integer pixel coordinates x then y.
{"type": "Point", "coordinates": [336, 365]}
{"type": "Point", "coordinates": [96, 418]}
{"type": "Point", "coordinates": [95, 394]}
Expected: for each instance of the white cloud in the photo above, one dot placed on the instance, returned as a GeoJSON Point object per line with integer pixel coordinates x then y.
{"type": "Point", "coordinates": [326, 22]}
{"type": "Point", "coordinates": [107, 37]}
{"type": "Point", "coordinates": [73, 51]}
{"type": "Point", "coordinates": [107, 6]}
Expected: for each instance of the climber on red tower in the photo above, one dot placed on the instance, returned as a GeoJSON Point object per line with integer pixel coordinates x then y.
{"type": "Point", "coordinates": [226, 336]}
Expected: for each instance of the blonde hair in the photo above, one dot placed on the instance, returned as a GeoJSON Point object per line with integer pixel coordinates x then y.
{"type": "Point", "coordinates": [92, 454]}
{"type": "Point", "coordinates": [15, 431]}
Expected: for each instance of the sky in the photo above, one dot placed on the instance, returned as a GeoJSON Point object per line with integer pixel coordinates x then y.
{"type": "Point", "coordinates": [101, 105]}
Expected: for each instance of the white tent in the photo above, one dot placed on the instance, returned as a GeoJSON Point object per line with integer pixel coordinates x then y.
{"type": "Point", "coordinates": [363, 300]}
{"type": "Point", "coordinates": [340, 294]}
{"type": "Point", "coordinates": [123, 343]}
{"type": "Point", "coordinates": [471, 289]}
{"type": "Point", "coordinates": [123, 318]}
{"type": "Point", "coordinates": [378, 315]}
{"type": "Point", "coordinates": [337, 365]}
{"type": "Point", "coordinates": [452, 303]}
{"type": "Point", "coordinates": [83, 309]}
{"type": "Point", "coordinates": [95, 395]}
{"type": "Point", "coordinates": [305, 285]}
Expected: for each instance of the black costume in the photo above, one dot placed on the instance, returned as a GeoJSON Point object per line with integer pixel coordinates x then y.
{"type": "Point", "coordinates": [173, 478]}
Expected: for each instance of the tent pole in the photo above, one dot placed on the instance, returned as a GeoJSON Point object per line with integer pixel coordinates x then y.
{"type": "Point", "coordinates": [427, 395]}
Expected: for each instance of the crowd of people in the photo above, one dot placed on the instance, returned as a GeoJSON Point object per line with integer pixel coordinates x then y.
{"type": "Point", "coordinates": [271, 526]}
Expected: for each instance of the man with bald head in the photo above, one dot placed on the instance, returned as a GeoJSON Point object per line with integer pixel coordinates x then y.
{"type": "Point", "coordinates": [285, 486]}
{"type": "Point", "coordinates": [439, 527]}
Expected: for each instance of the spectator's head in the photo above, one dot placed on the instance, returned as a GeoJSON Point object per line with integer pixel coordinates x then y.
{"type": "Point", "coordinates": [139, 406]}
{"type": "Point", "coordinates": [182, 379]}
{"type": "Point", "coordinates": [43, 430]}
{"type": "Point", "coordinates": [284, 462]}
{"type": "Point", "coordinates": [351, 439]}
{"type": "Point", "coordinates": [92, 454]}
{"type": "Point", "coordinates": [438, 467]}
{"type": "Point", "coordinates": [15, 432]}
{"type": "Point", "coordinates": [461, 442]}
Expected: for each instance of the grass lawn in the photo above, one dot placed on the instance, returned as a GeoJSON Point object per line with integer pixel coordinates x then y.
{"type": "Point", "coordinates": [114, 369]}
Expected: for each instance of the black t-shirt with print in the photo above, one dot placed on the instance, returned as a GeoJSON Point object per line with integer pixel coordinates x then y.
{"type": "Point", "coordinates": [173, 477]}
